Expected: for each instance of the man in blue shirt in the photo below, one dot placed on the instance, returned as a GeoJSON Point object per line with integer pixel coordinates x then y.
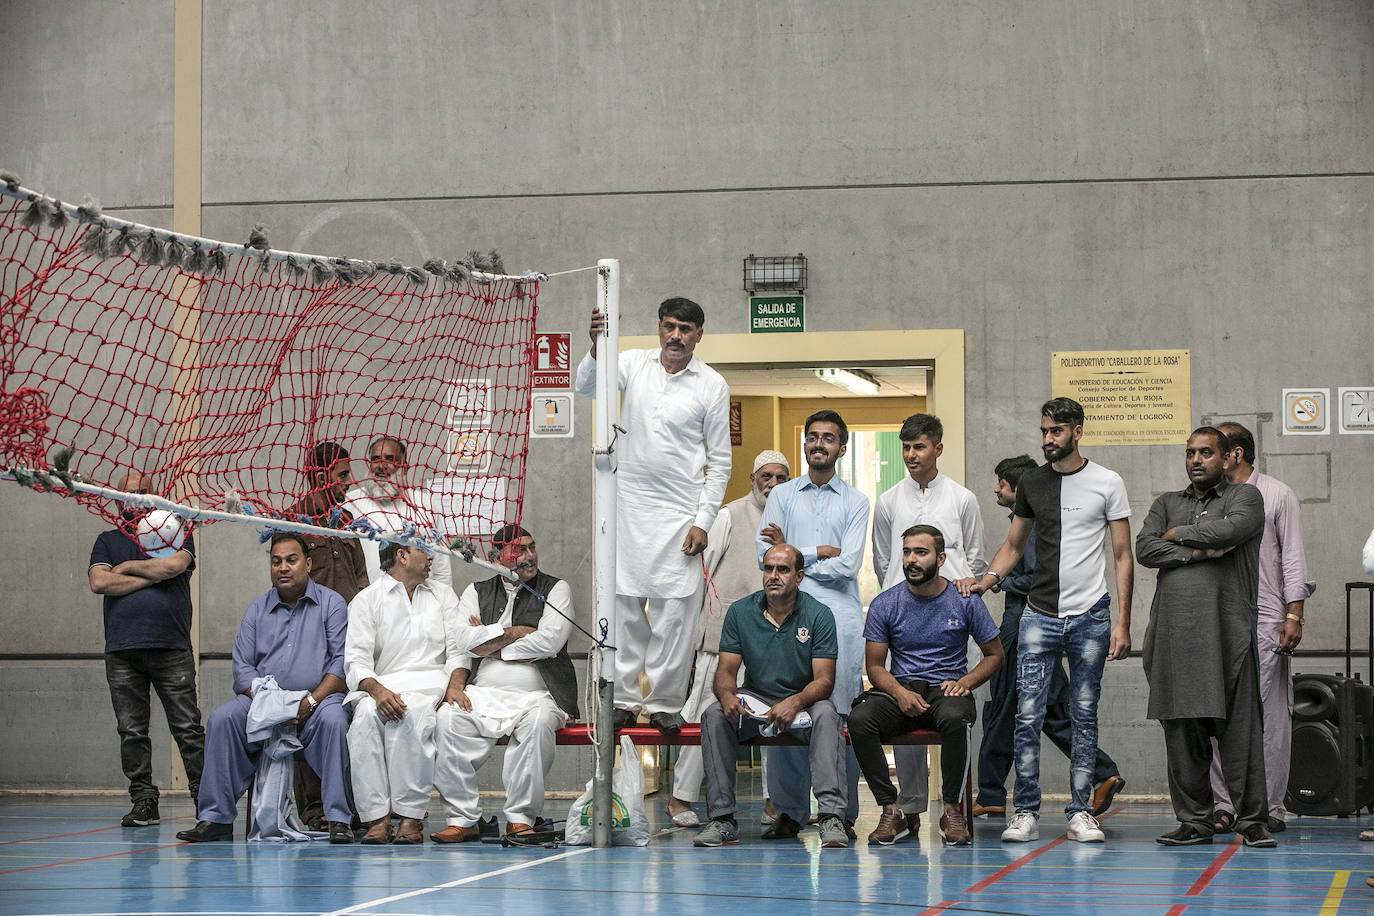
{"type": "Point", "coordinates": [925, 624]}
{"type": "Point", "coordinates": [147, 604]}
{"type": "Point", "coordinates": [827, 520]}
{"type": "Point", "coordinates": [295, 632]}
{"type": "Point", "coordinates": [786, 641]}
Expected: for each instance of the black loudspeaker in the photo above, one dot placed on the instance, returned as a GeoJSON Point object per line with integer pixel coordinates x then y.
{"type": "Point", "coordinates": [1332, 768]}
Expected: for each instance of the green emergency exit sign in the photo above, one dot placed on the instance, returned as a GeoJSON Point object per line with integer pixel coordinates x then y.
{"type": "Point", "coordinates": [776, 314]}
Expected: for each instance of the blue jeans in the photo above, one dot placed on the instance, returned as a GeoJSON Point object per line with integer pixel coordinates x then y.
{"type": "Point", "coordinates": [1082, 640]}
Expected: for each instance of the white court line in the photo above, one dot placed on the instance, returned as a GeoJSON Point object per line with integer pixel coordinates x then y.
{"type": "Point", "coordinates": [461, 881]}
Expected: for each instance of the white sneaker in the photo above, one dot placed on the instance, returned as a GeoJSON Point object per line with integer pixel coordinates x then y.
{"type": "Point", "coordinates": [1083, 828]}
{"type": "Point", "coordinates": [1023, 827]}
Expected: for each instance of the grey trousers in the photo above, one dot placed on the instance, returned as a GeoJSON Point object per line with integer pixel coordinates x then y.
{"type": "Point", "coordinates": [720, 740]}
{"type": "Point", "coordinates": [1240, 748]}
{"type": "Point", "coordinates": [1276, 699]}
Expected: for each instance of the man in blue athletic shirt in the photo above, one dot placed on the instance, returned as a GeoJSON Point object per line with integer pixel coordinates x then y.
{"type": "Point", "coordinates": [925, 624]}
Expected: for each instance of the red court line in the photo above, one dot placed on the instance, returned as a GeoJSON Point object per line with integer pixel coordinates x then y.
{"type": "Point", "coordinates": [1013, 866]}
{"type": "Point", "coordinates": [938, 908]}
{"type": "Point", "coordinates": [112, 855]}
{"type": "Point", "coordinates": [1206, 877]}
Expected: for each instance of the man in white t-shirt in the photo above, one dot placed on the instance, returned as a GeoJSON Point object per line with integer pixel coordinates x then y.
{"type": "Point", "coordinates": [924, 497]}
{"type": "Point", "coordinates": [1072, 503]}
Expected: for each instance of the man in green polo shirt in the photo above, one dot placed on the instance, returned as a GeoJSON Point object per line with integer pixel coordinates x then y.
{"type": "Point", "coordinates": [786, 641]}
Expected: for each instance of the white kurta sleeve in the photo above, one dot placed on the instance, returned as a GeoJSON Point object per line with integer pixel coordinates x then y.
{"type": "Point", "coordinates": [882, 534]}
{"type": "Point", "coordinates": [971, 521]}
{"type": "Point", "coordinates": [459, 635]}
{"type": "Point", "coordinates": [717, 541]}
{"type": "Point", "coordinates": [361, 642]}
{"type": "Point", "coordinates": [584, 382]}
{"type": "Point", "coordinates": [716, 435]}
{"type": "Point", "coordinates": [553, 630]}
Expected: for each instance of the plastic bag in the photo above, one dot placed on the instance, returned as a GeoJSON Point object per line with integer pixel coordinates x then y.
{"type": "Point", "coordinates": [629, 822]}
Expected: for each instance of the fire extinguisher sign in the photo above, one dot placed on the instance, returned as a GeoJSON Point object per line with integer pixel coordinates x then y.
{"type": "Point", "coordinates": [551, 415]}
{"type": "Point", "coordinates": [553, 360]}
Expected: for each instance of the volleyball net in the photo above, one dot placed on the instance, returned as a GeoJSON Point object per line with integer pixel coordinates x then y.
{"type": "Point", "coordinates": [237, 378]}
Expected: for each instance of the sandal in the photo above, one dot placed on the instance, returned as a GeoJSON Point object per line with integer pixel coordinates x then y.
{"type": "Point", "coordinates": [1223, 821]}
{"type": "Point", "coordinates": [1367, 835]}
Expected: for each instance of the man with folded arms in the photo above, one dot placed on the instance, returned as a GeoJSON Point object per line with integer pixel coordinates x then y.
{"type": "Point", "coordinates": [786, 641]}
{"type": "Point", "coordinates": [925, 624]}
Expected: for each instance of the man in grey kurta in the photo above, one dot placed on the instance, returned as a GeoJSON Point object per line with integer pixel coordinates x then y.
{"type": "Point", "coordinates": [1200, 654]}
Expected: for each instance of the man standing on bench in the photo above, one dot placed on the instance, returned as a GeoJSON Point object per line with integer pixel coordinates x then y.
{"type": "Point", "coordinates": [786, 642]}
{"type": "Point", "coordinates": [925, 624]}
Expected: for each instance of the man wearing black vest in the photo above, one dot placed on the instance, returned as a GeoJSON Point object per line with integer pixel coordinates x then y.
{"type": "Point", "coordinates": [523, 685]}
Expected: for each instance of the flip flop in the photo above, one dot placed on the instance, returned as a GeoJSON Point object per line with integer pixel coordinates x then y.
{"type": "Point", "coordinates": [1223, 821]}
{"type": "Point", "coordinates": [1367, 835]}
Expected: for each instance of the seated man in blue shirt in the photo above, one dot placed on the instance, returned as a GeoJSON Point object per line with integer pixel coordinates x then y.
{"type": "Point", "coordinates": [295, 632]}
{"type": "Point", "coordinates": [925, 624]}
{"type": "Point", "coordinates": [786, 641]}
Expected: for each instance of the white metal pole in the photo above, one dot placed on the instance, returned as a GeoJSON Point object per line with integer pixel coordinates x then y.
{"type": "Point", "coordinates": [607, 415]}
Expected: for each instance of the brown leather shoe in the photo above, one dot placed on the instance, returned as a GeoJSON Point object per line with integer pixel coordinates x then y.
{"type": "Point", "coordinates": [986, 810]}
{"type": "Point", "coordinates": [1104, 793]}
{"type": "Point", "coordinates": [409, 832]}
{"type": "Point", "coordinates": [379, 834]}
{"type": "Point", "coordinates": [455, 834]}
{"type": "Point", "coordinates": [954, 829]}
{"type": "Point", "coordinates": [891, 827]}
{"type": "Point", "coordinates": [515, 828]}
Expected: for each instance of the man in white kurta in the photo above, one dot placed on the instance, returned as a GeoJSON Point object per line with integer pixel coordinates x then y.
{"type": "Point", "coordinates": [385, 500]}
{"type": "Point", "coordinates": [672, 465]}
{"type": "Point", "coordinates": [522, 685]}
{"type": "Point", "coordinates": [405, 641]}
{"type": "Point", "coordinates": [925, 497]}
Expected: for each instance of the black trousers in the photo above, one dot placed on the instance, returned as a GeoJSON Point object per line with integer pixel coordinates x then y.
{"type": "Point", "coordinates": [876, 717]}
{"type": "Point", "coordinates": [172, 673]}
{"type": "Point", "coordinates": [1240, 744]}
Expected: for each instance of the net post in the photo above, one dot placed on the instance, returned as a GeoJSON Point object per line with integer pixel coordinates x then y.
{"type": "Point", "coordinates": [604, 546]}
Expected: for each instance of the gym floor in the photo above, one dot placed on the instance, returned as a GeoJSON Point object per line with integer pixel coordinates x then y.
{"type": "Point", "coordinates": [69, 855]}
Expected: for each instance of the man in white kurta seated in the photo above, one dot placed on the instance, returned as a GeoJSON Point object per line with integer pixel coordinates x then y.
{"type": "Point", "coordinates": [386, 499]}
{"type": "Point", "coordinates": [406, 643]}
{"type": "Point", "coordinates": [525, 688]}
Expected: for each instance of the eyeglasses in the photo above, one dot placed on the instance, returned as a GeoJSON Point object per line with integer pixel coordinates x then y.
{"type": "Point", "coordinates": [827, 438]}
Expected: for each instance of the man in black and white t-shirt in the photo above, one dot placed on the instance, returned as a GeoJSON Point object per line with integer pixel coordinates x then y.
{"type": "Point", "coordinates": [1071, 503]}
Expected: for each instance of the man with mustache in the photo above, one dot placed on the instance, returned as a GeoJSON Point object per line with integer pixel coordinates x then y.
{"type": "Point", "coordinates": [672, 465]}
{"type": "Point", "coordinates": [1072, 504]}
{"type": "Point", "coordinates": [1200, 654]}
{"type": "Point", "coordinates": [406, 641]}
{"type": "Point", "coordinates": [827, 520]}
{"type": "Point", "coordinates": [924, 497]}
{"type": "Point", "coordinates": [295, 633]}
{"type": "Point", "coordinates": [519, 683]}
{"type": "Point", "coordinates": [734, 572]}
{"type": "Point", "coordinates": [147, 606]}
{"type": "Point", "coordinates": [925, 625]}
{"type": "Point", "coordinates": [386, 500]}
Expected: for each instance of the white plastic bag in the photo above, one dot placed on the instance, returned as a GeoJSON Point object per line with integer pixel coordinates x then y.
{"type": "Point", "coordinates": [629, 823]}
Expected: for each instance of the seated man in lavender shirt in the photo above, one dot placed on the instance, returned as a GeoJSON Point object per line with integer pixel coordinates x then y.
{"type": "Point", "coordinates": [295, 633]}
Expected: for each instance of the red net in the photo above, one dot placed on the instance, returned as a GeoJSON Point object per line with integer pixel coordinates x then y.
{"type": "Point", "coordinates": [225, 377]}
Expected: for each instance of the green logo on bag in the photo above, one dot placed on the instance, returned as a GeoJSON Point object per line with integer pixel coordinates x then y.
{"type": "Point", "coordinates": [620, 815]}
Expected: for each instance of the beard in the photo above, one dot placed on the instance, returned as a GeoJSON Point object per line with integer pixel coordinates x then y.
{"type": "Point", "coordinates": [917, 574]}
{"type": "Point", "coordinates": [1054, 452]}
{"type": "Point", "coordinates": [821, 460]}
{"type": "Point", "coordinates": [380, 488]}
{"type": "Point", "coordinates": [759, 498]}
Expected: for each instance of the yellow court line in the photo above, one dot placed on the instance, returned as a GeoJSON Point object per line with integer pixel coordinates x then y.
{"type": "Point", "coordinates": [1333, 896]}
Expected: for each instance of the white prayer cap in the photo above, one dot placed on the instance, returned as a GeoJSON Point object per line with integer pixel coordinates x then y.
{"type": "Point", "coordinates": [769, 456]}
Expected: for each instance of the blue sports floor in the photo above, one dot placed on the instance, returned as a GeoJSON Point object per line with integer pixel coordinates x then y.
{"type": "Point", "coordinates": [70, 856]}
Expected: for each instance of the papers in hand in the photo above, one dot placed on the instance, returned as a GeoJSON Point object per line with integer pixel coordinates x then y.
{"type": "Point", "coordinates": [755, 709]}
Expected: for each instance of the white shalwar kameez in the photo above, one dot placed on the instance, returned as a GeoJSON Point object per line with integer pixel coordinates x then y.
{"type": "Point", "coordinates": [672, 465]}
{"type": "Point", "coordinates": [952, 508]}
{"type": "Point", "coordinates": [410, 645]}
{"type": "Point", "coordinates": [391, 515]}
{"type": "Point", "coordinates": [508, 698]}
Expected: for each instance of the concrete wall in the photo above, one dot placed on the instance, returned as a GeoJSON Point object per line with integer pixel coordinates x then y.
{"type": "Point", "coordinates": [1045, 175]}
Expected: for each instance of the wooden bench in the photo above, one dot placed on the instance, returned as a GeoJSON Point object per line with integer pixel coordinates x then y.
{"type": "Point", "coordinates": [690, 736]}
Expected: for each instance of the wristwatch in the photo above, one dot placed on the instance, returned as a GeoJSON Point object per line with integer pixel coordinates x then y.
{"type": "Point", "coordinates": [310, 698]}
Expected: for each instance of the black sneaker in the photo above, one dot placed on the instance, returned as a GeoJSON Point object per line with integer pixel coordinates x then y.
{"type": "Point", "coordinates": [487, 826]}
{"type": "Point", "coordinates": [144, 814]}
{"type": "Point", "coordinates": [1185, 835]}
{"type": "Point", "coordinates": [1276, 824]}
{"type": "Point", "coordinates": [784, 828]}
{"type": "Point", "coordinates": [1257, 836]}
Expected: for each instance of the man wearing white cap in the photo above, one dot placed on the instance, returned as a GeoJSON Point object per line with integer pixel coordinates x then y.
{"type": "Point", "coordinates": [734, 569]}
